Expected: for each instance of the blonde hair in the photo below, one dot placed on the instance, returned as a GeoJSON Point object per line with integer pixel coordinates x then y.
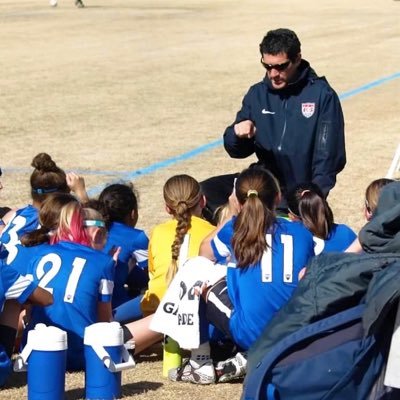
{"type": "Point", "coordinates": [182, 195]}
{"type": "Point", "coordinates": [70, 225]}
{"type": "Point", "coordinates": [372, 193]}
{"type": "Point", "coordinates": [93, 215]}
{"type": "Point", "coordinates": [60, 218]}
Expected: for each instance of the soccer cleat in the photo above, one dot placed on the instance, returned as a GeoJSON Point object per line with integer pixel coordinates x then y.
{"type": "Point", "coordinates": [203, 375]}
{"type": "Point", "coordinates": [79, 4]}
{"type": "Point", "coordinates": [232, 368]}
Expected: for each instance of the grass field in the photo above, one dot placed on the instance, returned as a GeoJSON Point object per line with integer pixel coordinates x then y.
{"type": "Point", "coordinates": [126, 89]}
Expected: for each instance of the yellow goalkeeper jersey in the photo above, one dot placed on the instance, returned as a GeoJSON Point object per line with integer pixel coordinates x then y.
{"type": "Point", "coordinates": [160, 256]}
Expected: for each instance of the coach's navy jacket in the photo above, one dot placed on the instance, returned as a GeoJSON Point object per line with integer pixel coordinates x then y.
{"type": "Point", "coordinates": [300, 130]}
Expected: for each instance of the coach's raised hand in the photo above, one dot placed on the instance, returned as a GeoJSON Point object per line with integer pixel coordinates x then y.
{"type": "Point", "coordinates": [245, 129]}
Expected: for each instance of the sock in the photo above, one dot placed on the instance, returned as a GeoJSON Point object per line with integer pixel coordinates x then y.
{"type": "Point", "coordinates": [7, 338]}
{"type": "Point", "coordinates": [127, 333]}
{"type": "Point", "coordinates": [201, 355]}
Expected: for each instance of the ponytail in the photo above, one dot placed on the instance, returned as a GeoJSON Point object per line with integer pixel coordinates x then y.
{"type": "Point", "coordinates": [257, 190]}
{"type": "Point", "coordinates": [316, 215]}
{"type": "Point", "coordinates": [36, 237]}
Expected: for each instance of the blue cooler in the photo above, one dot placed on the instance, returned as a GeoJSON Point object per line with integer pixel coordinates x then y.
{"type": "Point", "coordinates": [105, 357]}
{"type": "Point", "coordinates": [45, 359]}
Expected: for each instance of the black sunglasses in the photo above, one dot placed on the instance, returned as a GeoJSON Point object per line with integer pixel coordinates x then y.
{"type": "Point", "coordinates": [278, 67]}
{"type": "Point", "coordinates": [1, 172]}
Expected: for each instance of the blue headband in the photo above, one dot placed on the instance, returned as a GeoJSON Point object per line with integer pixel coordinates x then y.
{"type": "Point", "coordinates": [44, 191]}
{"type": "Point", "coordinates": [94, 222]}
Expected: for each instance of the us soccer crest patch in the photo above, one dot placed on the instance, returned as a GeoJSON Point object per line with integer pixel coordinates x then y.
{"type": "Point", "coordinates": [308, 109]}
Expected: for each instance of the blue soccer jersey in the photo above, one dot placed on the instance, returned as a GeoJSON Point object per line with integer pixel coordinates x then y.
{"type": "Point", "coordinates": [339, 239]}
{"type": "Point", "coordinates": [22, 258]}
{"type": "Point", "coordinates": [79, 277]}
{"type": "Point", "coordinates": [14, 285]}
{"type": "Point", "coordinates": [134, 246]}
{"type": "Point", "coordinates": [258, 291]}
{"type": "Point", "coordinates": [24, 220]}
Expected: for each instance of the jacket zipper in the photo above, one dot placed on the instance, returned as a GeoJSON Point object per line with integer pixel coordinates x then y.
{"type": "Point", "coordinates": [284, 126]}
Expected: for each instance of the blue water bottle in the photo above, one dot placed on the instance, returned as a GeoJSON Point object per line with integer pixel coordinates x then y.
{"type": "Point", "coordinates": [105, 357]}
{"type": "Point", "coordinates": [45, 359]}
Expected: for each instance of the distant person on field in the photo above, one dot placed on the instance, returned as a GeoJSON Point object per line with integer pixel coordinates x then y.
{"type": "Point", "coordinates": [78, 3]}
{"type": "Point", "coordinates": [292, 121]}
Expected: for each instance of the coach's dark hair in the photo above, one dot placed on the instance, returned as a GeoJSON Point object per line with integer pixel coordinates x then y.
{"type": "Point", "coordinates": [182, 194]}
{"type": "Point", "coordinates": [118, 201]}
{"type": "Point", "coordinates": [307, 202]}
{"type": "Point", "coordinates": [257, 190]}
{"type": "Point", "coordinates": [46, 178]}
{"type": "Point", "coordinates": [281, 41]}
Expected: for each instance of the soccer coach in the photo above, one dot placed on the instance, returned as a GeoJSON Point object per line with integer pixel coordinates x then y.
{"type": "Point", "coordinates": [292, 120]}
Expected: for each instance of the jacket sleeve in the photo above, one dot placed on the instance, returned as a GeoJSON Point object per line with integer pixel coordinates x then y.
{"type": "Point", "coordinates": [329, 156]}
{"type": "Point", "coordinates": [234, 146]}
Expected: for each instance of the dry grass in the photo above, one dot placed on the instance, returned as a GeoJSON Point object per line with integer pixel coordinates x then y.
{"type": "Point", "coordinates": [124, 84]}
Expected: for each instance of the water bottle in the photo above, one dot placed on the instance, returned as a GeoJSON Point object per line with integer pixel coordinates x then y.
{"type": "Point", "coordinates": [171, 355]}
{"type": "Point", "coordinates": [45, 359]}
{"type": "Point", "coordinates": [105, 357]}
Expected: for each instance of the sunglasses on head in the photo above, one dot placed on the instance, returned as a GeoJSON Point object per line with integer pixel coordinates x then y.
{"type": "Point", "coordinates": [278, 67]}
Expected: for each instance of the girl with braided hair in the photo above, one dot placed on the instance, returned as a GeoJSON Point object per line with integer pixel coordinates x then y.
{"type": "Point", "coordinates": [265, 255]}
{"type": "Point", "coordinates": [171, 244]}
{"type": "Point", "coordinates": [176, 240]}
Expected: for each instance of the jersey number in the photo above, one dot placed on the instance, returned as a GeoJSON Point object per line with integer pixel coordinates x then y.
{"type": "Point", "coordinates": [266, 260]}
{"type": "Point", "coordinates": [46, 277]}
{"type": "Point", "coordinates": [11, 246]}
{"type": "Point", "coordinates": [319, 245]}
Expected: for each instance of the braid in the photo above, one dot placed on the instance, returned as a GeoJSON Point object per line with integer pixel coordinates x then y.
{"type": "Point", "coordinates": [182, 195]}
{"type": "Point", "coordinates": [183, 217]}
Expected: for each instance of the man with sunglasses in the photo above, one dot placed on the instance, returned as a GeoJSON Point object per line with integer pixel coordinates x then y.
{"type": "Point", "coordinates": [292, 121]}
